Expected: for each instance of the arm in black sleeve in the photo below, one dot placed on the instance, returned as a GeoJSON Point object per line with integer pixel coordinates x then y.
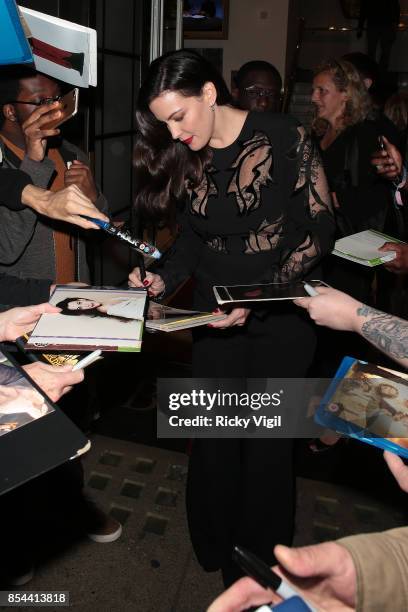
{"type": "Point", "coordinates": [12, 183]}
{"type": "Point", "coordinates": [309, 232]}
{"type": "Point", "coordinates": [16, 291]}
{"type": "Point", "coordinates": [365, 197]}
{"type": "Point", "coordinates": [182, 258]}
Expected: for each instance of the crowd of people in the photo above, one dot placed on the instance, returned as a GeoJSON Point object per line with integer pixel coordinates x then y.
{"type": "Point", "coordinates": [253, 198]}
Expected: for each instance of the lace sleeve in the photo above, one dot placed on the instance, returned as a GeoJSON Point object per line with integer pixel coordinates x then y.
{"type": "Point", "coordinates": [310, 210]}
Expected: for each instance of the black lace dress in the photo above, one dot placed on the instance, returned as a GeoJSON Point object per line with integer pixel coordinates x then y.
{"type": "Point", "coordinates": [261, 213]}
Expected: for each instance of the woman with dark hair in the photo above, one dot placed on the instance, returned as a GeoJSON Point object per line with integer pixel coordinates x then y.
{"type": "Point", "coordinates": [251, 203]}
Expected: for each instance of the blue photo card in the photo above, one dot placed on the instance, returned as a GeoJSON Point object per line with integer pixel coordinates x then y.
{"type": "Point", "coordinates": [14, 46]}
{"type": "Point", "coordinates": [369, 403]}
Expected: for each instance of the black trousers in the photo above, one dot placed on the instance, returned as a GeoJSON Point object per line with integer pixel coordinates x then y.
{"type": "Point", "coordinates": [241, 491]}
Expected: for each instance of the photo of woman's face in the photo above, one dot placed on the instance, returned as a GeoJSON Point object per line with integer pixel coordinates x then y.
{"type": "Point", "coordinates": [82, 304]}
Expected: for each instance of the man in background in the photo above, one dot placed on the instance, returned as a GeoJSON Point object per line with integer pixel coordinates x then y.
{"type": "Point", "coordinates": [258, 87]}
{"type": "Point", "coordinates": [32, 246]}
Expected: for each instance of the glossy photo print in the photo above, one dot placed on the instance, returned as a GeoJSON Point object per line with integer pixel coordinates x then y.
{"type": "Point", "coordinates": [20, 402]}
{"type": "Point", "coordinates": [92, 318]}
{"type": "Point", "coordinates": [370, 403]}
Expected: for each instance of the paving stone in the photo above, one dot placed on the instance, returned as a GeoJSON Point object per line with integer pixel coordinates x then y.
{"type": "Point", "coordinates": [152, 567]}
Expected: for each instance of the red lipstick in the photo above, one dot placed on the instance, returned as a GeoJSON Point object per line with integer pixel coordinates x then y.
{"type": "Point", "coordinates": [188, 141]}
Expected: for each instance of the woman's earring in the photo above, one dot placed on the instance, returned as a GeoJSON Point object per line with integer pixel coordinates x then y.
{"type": "Point", "coordinates": [213, 107]}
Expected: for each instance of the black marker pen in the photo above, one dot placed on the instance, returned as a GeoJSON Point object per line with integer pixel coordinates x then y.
{"type": "Point", "coordinates": [262, 573]}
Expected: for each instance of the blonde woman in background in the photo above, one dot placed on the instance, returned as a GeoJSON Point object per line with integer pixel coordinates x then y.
{"type": "Point", "coordinates": [347, 138]}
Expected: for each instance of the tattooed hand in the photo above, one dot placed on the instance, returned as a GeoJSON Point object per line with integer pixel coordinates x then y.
{"type": "Point", "coordinates": [339, 311]}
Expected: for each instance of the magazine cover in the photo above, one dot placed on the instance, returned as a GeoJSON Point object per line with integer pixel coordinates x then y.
{"type": "Point", "coordinates": [91, 318]}
{"type": "Point", "coordinates": [62, 49]}
{"type": "Point", "coordinates": [370, 403]}
{"type": "Point", "coordinates": [34, 435]}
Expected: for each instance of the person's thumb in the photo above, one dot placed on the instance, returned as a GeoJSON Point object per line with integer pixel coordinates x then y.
{"type": "Point", "coordinates": [303, 562]}
{"type": "Point", "coordinates": [46, 308]}
{"type": "Point", "coordinates": [387, 246]}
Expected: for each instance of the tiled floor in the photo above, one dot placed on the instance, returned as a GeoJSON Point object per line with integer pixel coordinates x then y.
{"type": "Point", "coordinates": [152, 567]}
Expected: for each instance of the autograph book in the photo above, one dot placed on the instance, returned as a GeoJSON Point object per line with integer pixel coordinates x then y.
{"type": "Point", "coordinates": [91, 318]}
{"type": "Point", "coordinates": [363, 248]}
{"type": "Point", "coordinates": [370, 403]}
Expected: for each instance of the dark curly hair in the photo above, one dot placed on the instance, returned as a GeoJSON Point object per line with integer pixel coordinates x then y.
{"type": "Point", "coordinates": [163, 167]}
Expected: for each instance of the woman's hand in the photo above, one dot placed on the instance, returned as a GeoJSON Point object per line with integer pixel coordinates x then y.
{"type": "Point", "coordinates": [154, 282]}
{"type": "Point", "coordinates": [237, 316]}
{"type": "Point", "coordinates": [17, 321]}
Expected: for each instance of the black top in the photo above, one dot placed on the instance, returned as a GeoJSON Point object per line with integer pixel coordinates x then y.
{"type": "Point", "coordinates": [15, 291]}
{"type": "Point", "coordinates": [362, 195]}
{"type": "Point", "coordinates": [12, 183]}
{"type": "Point", "coordinates": [261, 212]}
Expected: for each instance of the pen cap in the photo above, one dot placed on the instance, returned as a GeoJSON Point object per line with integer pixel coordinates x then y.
{"type": "Point", "coordinates": [294, 604]}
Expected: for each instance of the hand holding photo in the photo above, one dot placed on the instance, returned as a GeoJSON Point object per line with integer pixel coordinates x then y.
{"type": "Point", "coordinates": [167, 319]}
{"type": "Point", "coordinates": [266, 292]}
{"type": "Point", "coordinates": [92, 318]}
{"type": "Point", "coordinates": [363, 248]}
{"type": "Point", "coordinates": [369, 403]}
